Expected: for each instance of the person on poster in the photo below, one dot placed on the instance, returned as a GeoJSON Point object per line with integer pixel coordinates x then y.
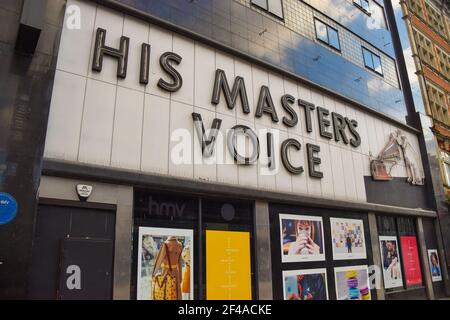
{"type": "Point", "coordinates": [349, 243]}
{"type": "Point", "coordinates": [390, 259]}
{"type": "Point", "coordinates": [434, 264]}
{"type": "Point", "coordinates": [309, 287]}
{"type": "Point", "coordinates": [304, 239]}
{"type": "Point", "coordinates": [186, 283]}
{"type": "Point", "coordinates": [167, 275]}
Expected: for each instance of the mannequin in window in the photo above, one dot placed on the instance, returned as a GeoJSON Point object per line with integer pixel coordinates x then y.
{"type": "Point", "coordinates": [167, 271]}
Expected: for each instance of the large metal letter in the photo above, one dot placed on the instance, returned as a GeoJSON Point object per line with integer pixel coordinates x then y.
{"type": "Point", "coordinates": [166, 66]}
{"type": "Point", "coordinates": [313, 161]}
{"type": "Point", "coordinates": [339, 125]}
{"type": "Point", "coordinates": [284, 155]}
{"type": "Point", "coordinates": [265, 104]}
{"type": "Point", "coordinates": [309, 107]}
{"type": "Point", "coordinates": [121, 54]}
{"type": "Point", "coordinates": [221, 82]}
{"type": "Point", "coordinates": [352, 125]}
{"type": "Point", "coordinates": [206, 142]}
{"type": "Point", "coordinates": [231, 141]}
{"type": "Point", "coordinates": [286, 102]}
{"type": "Point", "coordinates": [145, 63]}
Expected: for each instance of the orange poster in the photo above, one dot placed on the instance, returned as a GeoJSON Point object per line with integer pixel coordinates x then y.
{"type": "Point", "coordinates": [228, 271]}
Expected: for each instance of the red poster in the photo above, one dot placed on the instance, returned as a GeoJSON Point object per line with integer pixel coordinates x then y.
{"type": "Point", "coordinates": [411, 261]}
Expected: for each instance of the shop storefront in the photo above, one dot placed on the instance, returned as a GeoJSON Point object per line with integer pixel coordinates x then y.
{"type": "Point", "coordinates": [167, 153]}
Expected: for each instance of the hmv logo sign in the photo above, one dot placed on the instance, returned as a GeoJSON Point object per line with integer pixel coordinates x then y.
{"type": "Point", "coordinates": [165, 209]}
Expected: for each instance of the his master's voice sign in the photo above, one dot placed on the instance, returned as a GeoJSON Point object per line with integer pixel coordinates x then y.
{"type": "Point", "coordinates": [8, 208]}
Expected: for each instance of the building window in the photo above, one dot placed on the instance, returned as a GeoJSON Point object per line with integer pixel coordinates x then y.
{"type": "Point", "coordinates": [372, 61]}
{"type": "Point", "coordinates": [378, 16]}
{"type": "Point", "coordinates": [438, 108]}
{"type": "Point", "coordinates": [363, 5]}
{"type": "Point", "coordinates": [435, 20]}
{"type": "Point", "coordinates": [425, 48]}
{"type": "Point", "coordinates": [274, 7]}
{"type": "Point", "coordinates": [416, 7]}
{"type": "Point", "coordinates": [443, 62]}
{"type": "Point", "coordinates": [327, 35]}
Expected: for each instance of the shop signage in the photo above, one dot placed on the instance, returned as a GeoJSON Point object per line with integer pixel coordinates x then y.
{"type": "Point", "coordinates": [8, 208]}
{"type": "Point", "coordinates": [332, 125]}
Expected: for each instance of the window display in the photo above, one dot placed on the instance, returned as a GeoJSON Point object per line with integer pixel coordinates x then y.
{"type": "Point", "coordinates": [165, 265]}
{"type": "Point", "coordinates": [305, 284]}
{"type": "Point", "coordinates": [301, 238]}
{"type": "Point", "coordinates": [347, 236]}
{"type": "Point", "coordinates": [352, 283]}
{"type": "Point", "coordinates": [411, 262]}
{"type": "Point", "coordinates": [435, 267]}
{"type": "Point", "coordinates": [390, 260]}
{"type": "Point", "coordinates": [228, 268]}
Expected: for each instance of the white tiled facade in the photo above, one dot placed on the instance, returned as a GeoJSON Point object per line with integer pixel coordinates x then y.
{"type": "Point", "coordinates": [99, 120]}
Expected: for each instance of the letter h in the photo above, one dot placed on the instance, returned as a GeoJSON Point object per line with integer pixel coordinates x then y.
{"type": "Point", "coordinates": [101, 49]}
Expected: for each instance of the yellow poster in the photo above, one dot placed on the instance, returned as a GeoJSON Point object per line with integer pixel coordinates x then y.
{"type": "Point", "coordinates": [228, 271]}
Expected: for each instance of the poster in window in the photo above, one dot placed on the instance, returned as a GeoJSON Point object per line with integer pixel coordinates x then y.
{"type": "Point", "coordinates": [165, 264]}
{"type": "Point", "coordinates": [435, 267]}
{"type": "Point", "coordinates": [352, 283]}
{"type": "Point", "coordinates": [228, 265]}
{"type": "Point", "coordinates": [411, 262]}
{"type": "Point", "coordinates": [305, 284]}
{"type": "Point", "coordinates": [301, 238]}
{"type": "Point", "coordinates": [347, 237]}
{"type": "Point", "coordinates": [390, 261]}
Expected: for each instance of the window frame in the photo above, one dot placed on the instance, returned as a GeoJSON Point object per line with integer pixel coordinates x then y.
{"type": "Point", "coordinates": [328, 37]}
{"type": "Point", "coordinates": [357, 3]}
{"type": "Point", "coordinates": [372, 54]}
{"type": "Point", "coordinates": [268, 9]}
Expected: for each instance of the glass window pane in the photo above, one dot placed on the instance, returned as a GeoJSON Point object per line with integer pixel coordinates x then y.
{"type": "Point", "coordinates": [368, 59]}
{"type": "Point", "coordinates": [378, 16]}
{"type": "Point", "coordinates": [321, 31]}
{"type": "Point", "coordinates": [276, 7]}
{"type": "Point", "coordinates": [377, 64]}
{"type": "Point", "coordinates": [333, 38]}
{"type": "Point", "coordinates": [260, 3]}
{"type": "Point", "coordinates": [365, 5]}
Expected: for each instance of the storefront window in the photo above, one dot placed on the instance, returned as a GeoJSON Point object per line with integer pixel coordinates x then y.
{"type": "Point", "coordinates": [182, 242]}
{"type": "Point", "coordinates": [320, 254]}
{"type": "Point", "coordinates": [399, 253]}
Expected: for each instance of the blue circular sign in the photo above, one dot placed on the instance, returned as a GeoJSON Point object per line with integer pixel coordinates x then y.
{"type": "Point", "coordinates": [8, 208]}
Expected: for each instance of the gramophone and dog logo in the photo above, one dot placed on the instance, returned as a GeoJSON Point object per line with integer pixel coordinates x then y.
{"type": "Point", "coordinates": [397, 149]}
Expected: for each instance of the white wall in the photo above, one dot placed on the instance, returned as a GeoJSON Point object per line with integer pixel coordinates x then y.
{"type": "Point", "coordinates": [98, 119]}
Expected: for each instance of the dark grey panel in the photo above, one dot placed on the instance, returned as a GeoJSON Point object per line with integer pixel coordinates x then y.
{"type": "Point", "coordinates": [90, 260]}
{"type": "Point", "coordinates": [26, 83]}
{"type": "Point", "coordinates": [54, 224]}
{"type": "Point", "coordinates": [397, 192]}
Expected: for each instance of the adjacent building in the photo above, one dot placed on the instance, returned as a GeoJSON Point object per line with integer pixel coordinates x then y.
{"type": "Point", "coordinates": [271, 147]}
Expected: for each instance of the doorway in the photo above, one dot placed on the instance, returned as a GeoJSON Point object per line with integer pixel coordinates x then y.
{"type": "Point", "coordinates": [73, 250]}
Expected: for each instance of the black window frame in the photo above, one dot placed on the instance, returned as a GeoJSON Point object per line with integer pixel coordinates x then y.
{"type": "Point", "coordinates": [386, 22]}
{"type": "Point", "coordinates": [267, 10]}
{"type": "Point", "coordinates": [327, 43]}
{"type": "Point", "coordinates": [357, 3]}
{"type": "Point", "coordinates": [372, 54]}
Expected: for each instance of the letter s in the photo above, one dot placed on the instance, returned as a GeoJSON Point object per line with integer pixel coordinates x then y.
{"type": "Point", "coordinates": [164, 61]}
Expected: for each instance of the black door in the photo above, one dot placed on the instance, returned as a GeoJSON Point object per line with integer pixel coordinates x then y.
{"type": "Point", "coordinates": [72, 249]}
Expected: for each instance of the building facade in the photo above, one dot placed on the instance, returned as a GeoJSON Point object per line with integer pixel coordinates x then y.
{"type": "Point", "coordinates": [269, 146]}
{"type": "Point", "coordinates": [424, 33]}
{"type": "Point", "coordinates": [428, 25]}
